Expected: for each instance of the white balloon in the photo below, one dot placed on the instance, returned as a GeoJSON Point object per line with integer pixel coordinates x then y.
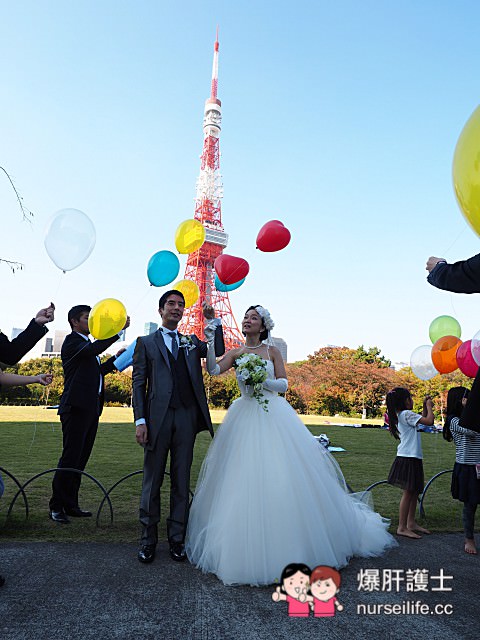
{"type": "Point", "coordinates": [421, 362]}
{"type": "Point", "coordinates": [69, 238]}
{"type": "Point", "coordinates": [475, 347]}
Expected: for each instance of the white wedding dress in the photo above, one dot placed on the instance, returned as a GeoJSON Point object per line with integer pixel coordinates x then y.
{"type": "Point", "coordinates": [269, 494]}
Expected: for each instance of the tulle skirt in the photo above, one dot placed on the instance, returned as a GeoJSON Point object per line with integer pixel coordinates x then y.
{"type": "Point", "coordinates": [268, 495]}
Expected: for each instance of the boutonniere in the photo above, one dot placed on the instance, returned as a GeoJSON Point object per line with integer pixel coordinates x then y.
{"type": "Point", "coordinates": [187, 343]}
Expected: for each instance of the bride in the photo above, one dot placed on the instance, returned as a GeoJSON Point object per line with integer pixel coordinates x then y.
{"type": "Point", "coordinates": [268, 493]}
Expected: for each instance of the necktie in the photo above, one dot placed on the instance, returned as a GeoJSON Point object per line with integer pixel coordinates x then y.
{"type": "Point", "coordinates": [173, 336]}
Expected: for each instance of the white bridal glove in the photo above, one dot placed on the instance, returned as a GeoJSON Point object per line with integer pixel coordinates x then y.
{"type": "Point", "coordinates": [212, 366]}
{"type": "Point", "coordinates": [279, 385]}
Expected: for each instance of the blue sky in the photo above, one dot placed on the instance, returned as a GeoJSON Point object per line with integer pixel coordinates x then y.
{"type": "Point", "coordinates": [340, 119]}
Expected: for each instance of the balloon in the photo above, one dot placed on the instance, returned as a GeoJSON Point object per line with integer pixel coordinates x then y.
{"type": "Point", "coordinates": [107, 318]}
{"type": "Point", "coordinates": [421, 362]}
{"type": "Point", "coordinates": [163, 267]}
{"type": "Point", "coordinates": [465, 361]}
{"type": "Point", "coordinates": [189, 289]}
{"type": "Point", "coordinates": [69, 238]}
{"type": "Point", "coordinates": [219, 286]}
{"type": "Point", "coordinates": [273, 236]}
{"type": "Point", "coordinates": [476, 347]}
{"type": "Point", "coordinates": [466, 171]}
{"type": "Point", "coordinates": [189, 236]}
{"type": "Point", "coordinates": [230, 269]}
{"type": "Point", "coordinates": [444, 326]}
{"type": "Point", "coordinates": [444, 353]}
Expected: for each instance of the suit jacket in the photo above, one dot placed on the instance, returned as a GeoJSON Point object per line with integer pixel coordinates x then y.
{"type": "Point", "coordinates": [153, 381]}
{"type": "Point", "coordinates": [82, 372]}
{"type": "Point", "coordinates": [13, 351]}
{"type": "Point", "coordinates": [460, 277]}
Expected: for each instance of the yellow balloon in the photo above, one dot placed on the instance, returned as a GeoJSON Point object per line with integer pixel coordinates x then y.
{"type": "Point", "coordinates": [189, 236]}
{"type": "Point", "coordinates": [189, 289]}
{"type": "Point", "coordinates": [107, 318]}
{"type": "Point", "coordinates": [466, 171]}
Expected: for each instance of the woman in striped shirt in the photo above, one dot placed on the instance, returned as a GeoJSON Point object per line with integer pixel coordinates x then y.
{"type": "Point", "coordinates": [466, 472]}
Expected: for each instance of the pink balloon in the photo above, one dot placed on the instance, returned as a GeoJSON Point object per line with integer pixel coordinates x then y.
{"type": "Point", "coordinates": [465, 361]}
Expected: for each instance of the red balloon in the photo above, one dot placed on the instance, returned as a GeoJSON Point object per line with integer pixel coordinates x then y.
{"type": "Point", "coordinates": [230, 269]}
{"type": "Point", "coordinates": [466, 363]}
{"type": "Point", "coordinates": [273, 236]}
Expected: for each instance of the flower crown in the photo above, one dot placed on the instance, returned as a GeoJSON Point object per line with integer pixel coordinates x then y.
{"type": "Point", "coordinates": [266, 317]}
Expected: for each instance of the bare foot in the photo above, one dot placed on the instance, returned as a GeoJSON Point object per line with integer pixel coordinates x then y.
{"type": "Point", "coordinates": [470, 546]}
{"type": "Point", "coordinates": [402, 531]}
{"type": "Point", "coordinates": [416, 527]}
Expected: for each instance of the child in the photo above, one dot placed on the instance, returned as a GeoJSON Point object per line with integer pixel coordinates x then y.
{"type": "Point", "coordinates": [324, 585]}
{"type": "Point", "coordinates": [465, 477]}
{"type": "Point", "coordinates": [407, 468]}
{"type": "Point", "coordinates": [294, 581]}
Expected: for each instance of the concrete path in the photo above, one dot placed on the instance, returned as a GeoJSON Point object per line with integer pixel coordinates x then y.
{"type": "Point", "coordinates": [99, 591]}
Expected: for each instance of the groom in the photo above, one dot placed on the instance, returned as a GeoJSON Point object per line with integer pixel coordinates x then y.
{"type": "Point", "coordinates": [170, 408]}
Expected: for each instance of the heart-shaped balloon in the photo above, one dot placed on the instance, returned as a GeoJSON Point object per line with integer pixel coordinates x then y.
{"type": "Point", "coordinates": [230, 269]}
{"type": "Point", "coordinates": [273, 236]}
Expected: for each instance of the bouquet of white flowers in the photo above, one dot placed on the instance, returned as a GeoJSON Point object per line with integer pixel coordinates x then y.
{"type": "Point", "coordinates": [252, 371]}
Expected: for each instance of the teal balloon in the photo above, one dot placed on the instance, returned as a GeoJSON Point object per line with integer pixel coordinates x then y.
{"type": "Point", "coordinates": [163, 268]}
{"type": "Point", "coordinates": [219, 286]}
{"type": "Point", "coordinates": [444, 326]}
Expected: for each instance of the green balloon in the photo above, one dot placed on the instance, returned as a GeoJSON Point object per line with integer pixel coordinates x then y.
{"type": "Point", "coordinates": [444, 326]}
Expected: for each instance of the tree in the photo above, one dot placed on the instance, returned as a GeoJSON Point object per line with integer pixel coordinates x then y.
{"type": "Point", "coordinates": [27, 216]}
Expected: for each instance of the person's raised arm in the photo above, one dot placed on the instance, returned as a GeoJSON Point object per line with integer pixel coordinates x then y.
{"type": "Point", "coordinates": [427, 418]}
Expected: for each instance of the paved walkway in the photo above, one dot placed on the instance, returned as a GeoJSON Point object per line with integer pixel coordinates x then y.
{"type": "Point", "coordinates": [99, 591]}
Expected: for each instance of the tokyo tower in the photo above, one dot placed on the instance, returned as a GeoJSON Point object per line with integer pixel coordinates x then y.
{"type": "Point", "coordinates": [208, 210]}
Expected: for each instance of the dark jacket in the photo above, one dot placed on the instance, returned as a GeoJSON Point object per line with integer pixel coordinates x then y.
{"type": "Point", "coordinates": [13, 351]}
{"type": "Point", "coordinates": [460, 277]}
{"type": "Point", "coordinates": [82, 372]}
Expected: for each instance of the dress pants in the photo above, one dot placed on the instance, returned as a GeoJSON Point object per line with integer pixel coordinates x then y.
{"type": "Point", "coordinates": [177, 435]}
{"type": "Point", "coordinates": [79, 428]}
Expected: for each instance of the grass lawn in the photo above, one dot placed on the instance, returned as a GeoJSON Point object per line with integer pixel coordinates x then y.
{"type": "Point", "coordinates": [31, 439]}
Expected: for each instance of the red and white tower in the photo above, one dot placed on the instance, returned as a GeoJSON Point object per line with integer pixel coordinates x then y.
{"type": "Point", "coordinates": [208, 210]}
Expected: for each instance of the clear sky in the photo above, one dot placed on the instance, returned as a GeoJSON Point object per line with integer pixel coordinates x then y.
{"type": "Point", "coordinates": [339, 119]}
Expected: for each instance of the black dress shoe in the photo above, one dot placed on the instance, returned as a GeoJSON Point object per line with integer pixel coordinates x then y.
{"type": "Point", "coordinates": [58, 516]}
{"type": "Point", "coordinates": [146, 553]}
{"type": "Point", "coordinates": [76, 512]}
{"type": "Point", "coordinates": [177, 551]}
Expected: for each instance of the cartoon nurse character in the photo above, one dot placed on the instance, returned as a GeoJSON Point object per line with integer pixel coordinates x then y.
{"type": "Point", "coordinates": [293, 589]}
{"type": "Point", "coordinates": [324, 584]}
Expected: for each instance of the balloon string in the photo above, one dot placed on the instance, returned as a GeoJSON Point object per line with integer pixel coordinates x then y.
{"type": "Point", "coordinates": [60, 282]}
{"type": "Point", "coordinates": [454, 242]}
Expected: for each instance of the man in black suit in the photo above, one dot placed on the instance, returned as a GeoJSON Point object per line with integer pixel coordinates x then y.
{"type": "Point", "coordinates": [80, 408]}
{"type": "Point", "coordinates": [13, 351]}
{"type": "Point", "coordinates": [459, 277]}
{"type": "Point", "coordinates": [170, 408]}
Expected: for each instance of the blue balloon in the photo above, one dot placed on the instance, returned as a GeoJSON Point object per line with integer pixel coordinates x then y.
{"type": "Point", "coordinates": [163, 267]}
{"type": "Point", "coordinates": [219, 286]}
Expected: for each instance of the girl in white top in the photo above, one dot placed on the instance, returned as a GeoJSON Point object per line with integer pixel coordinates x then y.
{"type": "Point", "coordinates": [407, 468]}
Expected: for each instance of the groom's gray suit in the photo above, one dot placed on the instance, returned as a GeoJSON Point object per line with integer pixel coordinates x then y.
{"type": "Point", "coordinates": [169, 393]}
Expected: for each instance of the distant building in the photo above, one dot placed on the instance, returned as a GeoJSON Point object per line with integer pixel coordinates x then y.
{"type": "Point", "coordinates": [15, 332]}
{"type": "Point", "coordinates": [122, 335]}
{"type": "Point", "coordinates": [49, 345]}
{"type": "Point", "coordinates": [58, 339]}
{"type": "Point", "coordinates": [150, 327]}
{"type": "Point", "coordinates": [399, 365]}
{"type": "Point", "coordinates": [281, 346]}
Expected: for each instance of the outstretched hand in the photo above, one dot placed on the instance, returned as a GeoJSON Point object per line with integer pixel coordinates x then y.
{"type": "Point", "coordinates": [45, 378]}
{"type": "Point", "coordinates": [45, 315]}
{"type": "Point", "coordinates": [432, 263]}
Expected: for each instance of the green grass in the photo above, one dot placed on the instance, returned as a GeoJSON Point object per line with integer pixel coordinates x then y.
{"type": "Point", "coordinates": [31, 440]}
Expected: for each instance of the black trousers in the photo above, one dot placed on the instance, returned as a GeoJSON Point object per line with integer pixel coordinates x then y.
{"type": "Point", "coordinates": [470, 418]}
{"type": "Point", "coordinates": [177, 436]}
{"type": "Point", "coordinates": [79, 427]}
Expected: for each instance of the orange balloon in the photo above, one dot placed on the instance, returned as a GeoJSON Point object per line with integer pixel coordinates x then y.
{"type": "Point", "coordinates": [444, 354]}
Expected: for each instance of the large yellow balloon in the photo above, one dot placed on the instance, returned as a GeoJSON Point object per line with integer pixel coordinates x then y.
{"type": "Point", "coordinates": [107, 318]}
{"type": "Point", "coordinates": [189, 289]}
{"type": "Point", "coordinates": [466, 171]}
{"type": "Point", "coordinates": [189, 236]}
